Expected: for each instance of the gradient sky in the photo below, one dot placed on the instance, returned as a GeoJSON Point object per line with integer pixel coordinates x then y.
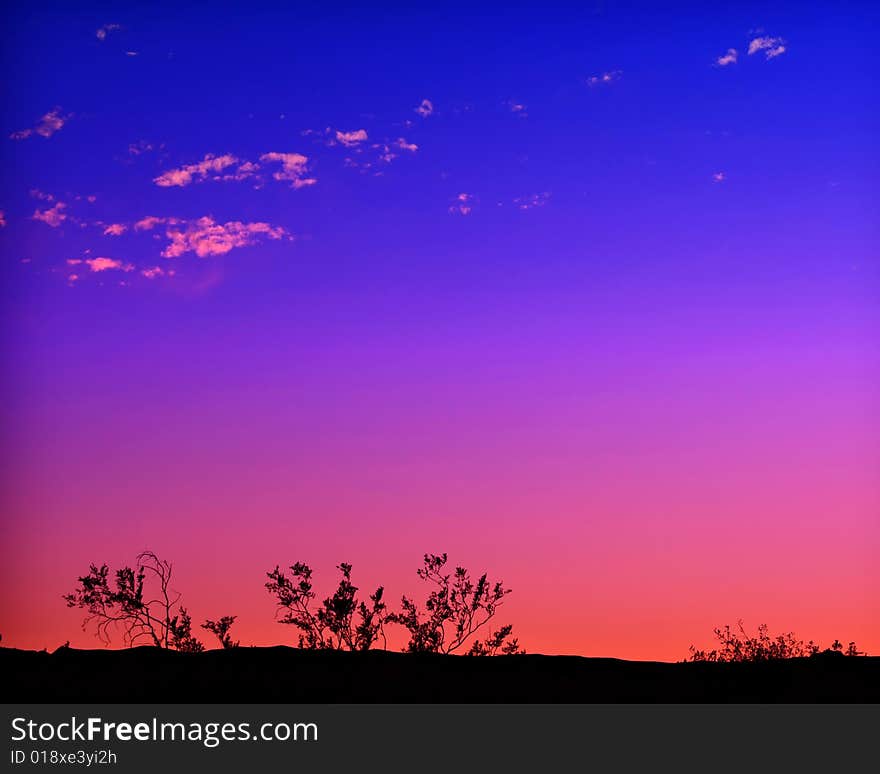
{"type": "Point", "coordinates": [588, 298]}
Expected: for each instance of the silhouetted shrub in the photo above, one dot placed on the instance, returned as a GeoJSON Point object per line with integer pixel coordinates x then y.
{"type": "Point", "coordinates": [182, 638]}
{"type": "Point", "coordinates": [220, 629]}
{"type": "Point", "coordinates": [740, 646]}
{"type": "Point", "coordinates": [138, 600]}
{"type": "Point", "coordinates": [455, 610]}
{"type": "Point", "coordinates": [340, 622]}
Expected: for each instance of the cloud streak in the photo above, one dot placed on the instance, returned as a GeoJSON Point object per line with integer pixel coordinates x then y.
{"type": "Point", "coordinates": [205, 237]}
{"type": "Point", "coordinates": [102, 32]}
{"type": "Point", "coordinates": [727, 59]}
{"type": "Point", "coordinates": [772, 47]}
{"type": "Point", "coordinates": [209, 167]}
{"type": "Point", "coordinates": [604, 78]}
{"type": "Point", "coordinates": [294, 169]}
{"type": "Point", "coordinates": [50, 123]}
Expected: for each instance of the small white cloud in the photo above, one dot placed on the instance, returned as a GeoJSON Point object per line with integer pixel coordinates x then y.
{"type": "Point", "coordinates": [425, 108]}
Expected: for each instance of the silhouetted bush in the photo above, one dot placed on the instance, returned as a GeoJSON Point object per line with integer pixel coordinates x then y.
{"type": "Point", "coordinates": [340, 622]}
{"type": "Point", "coordinates": [220, 629]}
{"type": "Point", "coordinates": [140, 601]}
{"type": "Point", "coordinates": [455, 610]}
{"type": "Point", "coordinates": [740, 646]}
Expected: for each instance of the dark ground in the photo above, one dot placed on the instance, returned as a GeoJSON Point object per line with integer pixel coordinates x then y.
{"type": "Point", "coordinates": [283, 674]}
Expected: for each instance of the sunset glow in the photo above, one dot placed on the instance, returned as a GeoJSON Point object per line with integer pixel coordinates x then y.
{"type": "Point", "coordinates": [588, 299]}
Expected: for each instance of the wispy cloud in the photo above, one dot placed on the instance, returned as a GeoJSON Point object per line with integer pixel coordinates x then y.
{"type": "Point", "coordinates": [727, 59]}
{"type": "Point", "coordinates": [209, 167]}
{"type": "Point", "coordinates": [102, 32]}
{"type": "Point", "coordinates": [518, 108]}
{"type": "Point", "coordinates": [532, 201]}
{"type": "Point", "coordinates": [36, 193]}
{"type": "Point", "coordinates": [462, 204]}
{"type": "Point", "coordinates": [351, 139]}
{"type": "Point", "coordinates": [719, 177]}
{"type": "Point", "coordinates": [294, 168]}
{"type": "Point", "coordinates": [107, 264]}
{"type": "Point", "coordinates": [206, 237]}
{"type": "Point", "coordinates": [387, 152]}
{"type": "Point", "coordinates": [54, 216]}
{"type": "Point", "coordinates": [425, 108]}
{"type": "Point", "coordinates": [139, 147]}
{"type": "Point", "coordinates": [2, 219]}
{"type": "Point", "coordinates": [115, 229]}
{"type": "Point", "coordinates": [151, 221]}
{"type": "Point", "coordinates": [154, 272]}
{"type": "Point", "coordinates": [604, 78]}
{"type": "Point", "coordinates": [50, 123]}
{"type": "Point", "coordinates": [772, 47]}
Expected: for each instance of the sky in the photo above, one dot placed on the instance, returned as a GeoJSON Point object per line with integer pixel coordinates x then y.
{"type": "Point", "coordinates": [585, 297]}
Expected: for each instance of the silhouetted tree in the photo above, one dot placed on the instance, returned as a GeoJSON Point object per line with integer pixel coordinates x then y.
{"type": "Point", "coordinates": [455, 610]}
{"type": "Point", "coordinates": [741, 646]}
{"type": "Point", "coordinates": [220, 629]}
{"type": "Point", "coordinates": [340, 622]}
{"type": "Point", "coordinates": [139, 600]}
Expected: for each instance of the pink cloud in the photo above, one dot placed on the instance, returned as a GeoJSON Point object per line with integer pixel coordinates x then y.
{"type": "Point", "coordinates": [604, 78]}
{"type": "Point", "coordinates": [115, 229]}
{"type": "Point", "coordinates": [535, 200]}
{"type": "Point", "coordinates": [462, 205]}
{"type": "Point", "coordinates": [772, 47]}
{"type": "Point", "coordinates": [404, 145]}
{"type": "Point", "coordinates": [210, 165]}
{"type": "Point", "coordinates": [351, 139]}
{"type": "Point", "coordinates": [157, 271]}
{"type": "Point", "coordinates": [719, 177]}
{"type": "Point", "coordinates": [205, 237]}
{"type": "Point", "coordinates": [148, 223]}
{"type": "Point", "coordinates": [727, 59]}
{"type": "Point", "coordinates": [425, 108]}
{"type": "Point", "coordinates": [294, 167]}
{"type": "Point", "coordinates": [2, 219]}
{"type": "Point", "coordinates": [142, 146]}
{"type": "Point", "coordinates": [54, 216]}
{"type": "Point", "coordinates": [46, 126]}
{"type": "Point", "coordinates": [102, 32]}
{"type": "Point", "coordinates": [106, 264]}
